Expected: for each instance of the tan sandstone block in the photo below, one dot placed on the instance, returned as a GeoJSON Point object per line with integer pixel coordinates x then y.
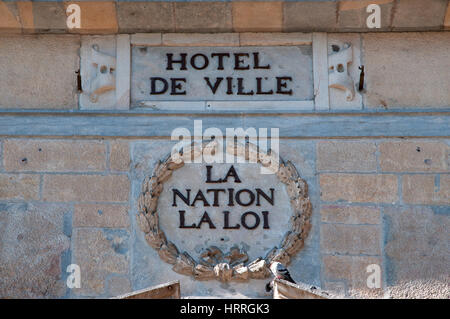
{"type": "Point", "coordinates": [414, 14]}
{"type": "Point", "coordinates": [23, 186]}
{"type": "Point", "coordinates": [417, 248]}
{"type": "Point", "coordinates": [53, 82]}
{"type": "Point", "coordinates": [447, 18]}
{"type": "Point", "coordinates": [359, 188]}
{"type": "Point", "coordinates": [26, 16]}
{"type": "Point", "coordinates": [403, 72]}
{"type": "Point", "coordinates": [146, 16]}
{"type": "Point", "coordinates": [346, 156]}
{"type": "Point", "coordinates": [97, 17]}
{"type": "Point", "coordinates": [257, 16]}
{"type": "Point", "coordinates": [54, 156]}
{"type": "Point", "coordinates": [350, 214]}
{"type": "Point", "coordinates": [85, 188]}
{"type": "Point", "coordinates": [352, 269]}
{"type": "Point", "coordinates": [350, 239]}
{"type": "Point", "coordinates": [426, 189]}
{"type": "Point", "coordinates": [99, 254]}
{"type": "Point", "coordinates": [9, 20]}
{"type": "Point", "coordinates": [202, 17]}
{"type": "Point", "coordinates": [309, 16]}
{"type": "Point", "coordinates": [98, 215]}
{"type": "Point", "coordinates": [414, 156]}
{"type": "Point", "coordinates": [119, 156]}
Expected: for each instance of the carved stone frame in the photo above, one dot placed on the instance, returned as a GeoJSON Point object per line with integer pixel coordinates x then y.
{"type": "Point", "coordinates": [236, 269]}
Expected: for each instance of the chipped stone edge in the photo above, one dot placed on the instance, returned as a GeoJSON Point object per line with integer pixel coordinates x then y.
{"type": "Point", "coordinates": [183, 263]}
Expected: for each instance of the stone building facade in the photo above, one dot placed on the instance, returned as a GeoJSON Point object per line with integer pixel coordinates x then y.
{"type": "Point", "coordinates": [371, 144]}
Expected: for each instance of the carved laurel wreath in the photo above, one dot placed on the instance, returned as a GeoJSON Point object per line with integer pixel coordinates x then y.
{"type": "Point", "coordinates": [213, 263]}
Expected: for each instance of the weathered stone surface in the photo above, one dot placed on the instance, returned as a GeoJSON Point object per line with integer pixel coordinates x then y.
{"type": "Point", "coordinates": [200, 39]}
{"type": "Point", "coordinates": [53, 82]}
{"type": "Point", "coordinates": [447, 18]}
{"type": "Point", "coordinates": [309, 16]}
{"type": "Point", "coordinates": [352, 270]}
{"type": "Point", "coordinates": [274, 38]}
{"type": "Point", "coordinates": [49, 17]}
{"type": "Point", "coordinates": [350, 214]}
{"type": "Point", "coordinates": [359, 188]}
{"type": "Point", "coordinates": [54, 155]}
{"type": "Point", "coordinates": [110, 188]}
{"type": "Point", "coordinates": [99, 254]}
{"type": "Point", "coordinates": [352, 15]}
{"type": "Point", "coordinates": [411, 14]}
{"type": "Point", "coordinates": [402, 71]}
{"type": "Point", "coordinates": [346, 156]}
{"type": "Point", "coordinates": [146, 17]}
{"type": "Point", "coordinates": [97, 17]}
{"type": "Point", "coordinates": [32, 242]}
{"type": "Point", "coordinates": [257, 16]}
{"type": "Point", "coordinates": [119, 156]}
{"type": "Point", "coordinates": [99, 215]}
{"type": "Point", "coordinates": [26, 16]}
{"type": "Point", "coordinates": [417, 253]}
{"type": "Point", "coordinates": [350, 239]}
{"type": "Point", "coordinates": [198, 17]}
{"type": "Point", "coordinates": [118, 285]}
{"type": "Point", "coordinates": [25, 187]}
{"type": "Point", "coordinates": [9, 18]}
{"type": "Point", "coordinates": [418, 156]}
{"type": "Point", "coordinates": [426, 189]}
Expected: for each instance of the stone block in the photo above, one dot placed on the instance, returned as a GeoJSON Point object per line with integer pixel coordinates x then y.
{"type": "Point", "coordinates": [350, 214]}
{"type": "Point", "coordinates": [9, 18]}
{"type": "Point", "coordinates": [146, 17]}
{"type": "Point", "coordinates": [54, 155]}
{"type": "Point", "coordinates": [257, 16]}
{"type": "Point", "coordinates": [85, 188]}
{"type": "Point", "coordinates": [352, 15]}
{"type": "Point", "coordinates": [198, 17]}
{"type": "Point", "coordinates": [21, 186]}
{"type": "Point", "coordinates": [401, 71]}
{"type": "Point", "coordinates": [309, 16]}
{"type": "Point", "coordinates": [416, 156]}
{"type": "Point", "coordinates": [101, 215]}
{"type": "Point", "coordinates": [418, 14]}
{"type": "Point", "coordinates": [99, 253]}
{"type": "Point", "coordinates": [447, 18]}
{"type": "Point", "coordinates": [346, 156]}
{"type": "Point", "coordinates": [417, 251]}
{"type": "Point", "coordinates": [119, 157]}
{"type": "Point", "coordinates": [350, 239]}
{"type": "Point", "coordinates": [118, 285]}
{"type": "Point", "coordinates": [426, 189]}
{"type": "Point", "coordinates": [33, 242]}
{"type": "Point", "coordinates": [26, 16]}
{"type": "Point", "coordinates": [49, 17]}
{"type": "Point", "coordinates": [359, 188]}
{"type": "Point", "coordinates": [97, 17]}
{"type": "Point", "coordinates": [353, 271]}
{"type": "Point", "coordinates": [53, 82]}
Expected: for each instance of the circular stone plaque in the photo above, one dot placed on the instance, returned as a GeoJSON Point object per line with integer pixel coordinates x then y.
{"type": "Point", "coordinates": [224, 221]}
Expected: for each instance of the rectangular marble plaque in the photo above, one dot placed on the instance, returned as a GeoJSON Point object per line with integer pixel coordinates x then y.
{"type": "Point", "coordinates": [221, 74]}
